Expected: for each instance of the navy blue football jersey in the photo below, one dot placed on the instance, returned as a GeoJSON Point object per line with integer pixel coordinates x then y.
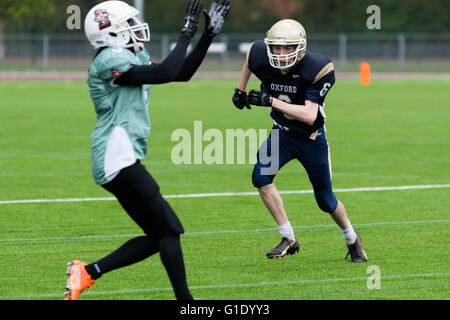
{"type": "Point", "coordinates": [309, 79]}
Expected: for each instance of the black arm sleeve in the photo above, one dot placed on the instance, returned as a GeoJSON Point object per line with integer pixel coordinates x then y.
{"type": "Point", "coordinates": [194, 59]}
{"type": "Point", "coordinates": [157, 73]}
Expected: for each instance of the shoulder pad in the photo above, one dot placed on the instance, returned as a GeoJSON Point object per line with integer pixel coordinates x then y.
{"type": "Point", "coordinates": [112, 55]}
{"type": "Point", "coordinates": [257, 55]}
{"type": "Point", "coordinates": [316, 66]}
{"type": "Point", "coordinates": [114, 61]}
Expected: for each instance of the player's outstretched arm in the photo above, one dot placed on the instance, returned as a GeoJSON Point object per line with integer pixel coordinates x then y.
{"type": "Point", "coordinates": [193, 9]}
{"type": "Point", "coordinates": [167, 70]}
{"type": "Point", "coordinates": [214, 19]}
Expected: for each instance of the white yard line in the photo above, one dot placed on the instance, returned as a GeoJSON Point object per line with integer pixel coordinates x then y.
{"type": "Point", "coordinates": [232, 285]}
{"type": "Point", "coordinates": [232, 194]}
{"type": "Point", "coordinates": [200, 233]}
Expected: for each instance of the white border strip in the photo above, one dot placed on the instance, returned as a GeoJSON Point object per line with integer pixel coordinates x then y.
{"type": "Point", "coordinates": [232, 194]}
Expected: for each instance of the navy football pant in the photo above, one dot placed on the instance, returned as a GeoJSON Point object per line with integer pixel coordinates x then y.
{"type": "Point", "coordinates": [312, 154]}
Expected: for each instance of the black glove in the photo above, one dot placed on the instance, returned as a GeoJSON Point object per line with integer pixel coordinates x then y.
{"type": "Point", "coordinates": [260, 98]}
{"type": "Point", "coordinates": [215, 18]}
{"type": "Point", "coordinates": [193, 9]}
{"type": "Point", "coordinates": [240, 99]}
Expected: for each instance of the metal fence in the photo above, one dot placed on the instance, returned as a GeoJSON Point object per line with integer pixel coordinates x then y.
{"type": "Point", "coordinates": [386, 52]}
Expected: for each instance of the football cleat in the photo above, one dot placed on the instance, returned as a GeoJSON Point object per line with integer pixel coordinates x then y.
{"type": "Point", "coordinates": [286, 246]}
{"type": "Point", "coordinates": [79, 279]}
{"type": "Point", "coordinates": [356, 251]}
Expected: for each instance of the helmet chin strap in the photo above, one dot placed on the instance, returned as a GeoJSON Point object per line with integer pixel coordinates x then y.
{"type": "Point", "coordinates": [299, 57]}
{"type": "Point", "coordinates": [138, 46]}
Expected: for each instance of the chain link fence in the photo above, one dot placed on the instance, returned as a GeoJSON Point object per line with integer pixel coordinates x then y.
{"type": "Point", "coordinates": [385, 52]}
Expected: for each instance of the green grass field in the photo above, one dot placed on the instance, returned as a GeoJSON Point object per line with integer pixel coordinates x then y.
{"type": "Point", "coordinates": [389, 134]}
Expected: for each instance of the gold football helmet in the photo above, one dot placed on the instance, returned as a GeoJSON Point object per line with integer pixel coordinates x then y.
{"type": "Point", "coordinates": [286, 32]}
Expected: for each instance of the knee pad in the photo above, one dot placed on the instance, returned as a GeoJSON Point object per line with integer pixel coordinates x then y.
{"type": "Point", "coordinates": [325, 198]}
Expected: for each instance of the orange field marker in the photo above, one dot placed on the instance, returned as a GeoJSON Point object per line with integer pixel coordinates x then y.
{"type": "Point", "coordinates": [364, 70]}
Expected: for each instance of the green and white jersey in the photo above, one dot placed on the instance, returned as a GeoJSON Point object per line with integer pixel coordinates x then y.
{"type": "Point", "coordinates": [123, 124]}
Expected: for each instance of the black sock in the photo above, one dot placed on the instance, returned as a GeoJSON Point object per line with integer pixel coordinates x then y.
{"type": "Point", "coordinates": [172, 259]}
{"type": "Point", "coordinates": [132, 251]}
{"type": "Point", "coordinates": [92, 270]}
{"type": "Point", "coordinates": [140, 248]}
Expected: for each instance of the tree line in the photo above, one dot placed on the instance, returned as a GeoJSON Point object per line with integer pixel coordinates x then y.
{"type": "Point", "coordinates": [246, 16]}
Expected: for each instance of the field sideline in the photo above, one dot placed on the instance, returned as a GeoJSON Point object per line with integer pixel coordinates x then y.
{"type": "Point", "coordinates": [27, 76]}
{"type": "Point", "coordinates": [390, 153]}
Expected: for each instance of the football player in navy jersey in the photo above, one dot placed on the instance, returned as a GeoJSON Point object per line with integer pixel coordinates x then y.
{"type": "Point", "coordinates": [294, 84]}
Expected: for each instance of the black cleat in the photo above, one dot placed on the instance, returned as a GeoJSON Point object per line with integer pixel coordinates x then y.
{"type": "Point", "coordinates": [356, 251]}
{"type": "Point", "coordinates": [286, 246]}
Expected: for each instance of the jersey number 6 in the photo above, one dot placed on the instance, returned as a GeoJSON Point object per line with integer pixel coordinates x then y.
{"type": "Point", "coordinates": [325, 88]}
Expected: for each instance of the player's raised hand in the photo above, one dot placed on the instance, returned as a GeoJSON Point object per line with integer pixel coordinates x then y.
{"type": "Point", "coordinates": [215, 18]}
{"type": "Point", "coordinates": [193, 9]}
{"type": "Point", "coordinates": [260, 98]}
{"type": "Point", "coordinates": [240, 99]}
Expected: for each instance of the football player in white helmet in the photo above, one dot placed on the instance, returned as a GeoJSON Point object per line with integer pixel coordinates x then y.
{"type": "Point", "coordinates": [294, 84]}
{"type": "Point", "coordinates": [115, 24]}
{"type": "Point", "coordinates": [119, 82]}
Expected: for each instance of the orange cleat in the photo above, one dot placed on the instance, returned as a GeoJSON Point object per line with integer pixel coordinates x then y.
{"type": "Point", "coordinates": [78, 280]}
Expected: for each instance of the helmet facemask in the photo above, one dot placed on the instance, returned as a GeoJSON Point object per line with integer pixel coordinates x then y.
{"type": "Point", "coordinates": [290, 58]}
{"type": "Point", "coordinates": [129, 33]}
{"type": "Point", "coordinates": [140, 32]}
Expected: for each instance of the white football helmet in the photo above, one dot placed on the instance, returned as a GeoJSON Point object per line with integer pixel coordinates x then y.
{"type": "Point", "coordinates": [115, 23]}
{"type": "Point", "coordinates": [286, 32]}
